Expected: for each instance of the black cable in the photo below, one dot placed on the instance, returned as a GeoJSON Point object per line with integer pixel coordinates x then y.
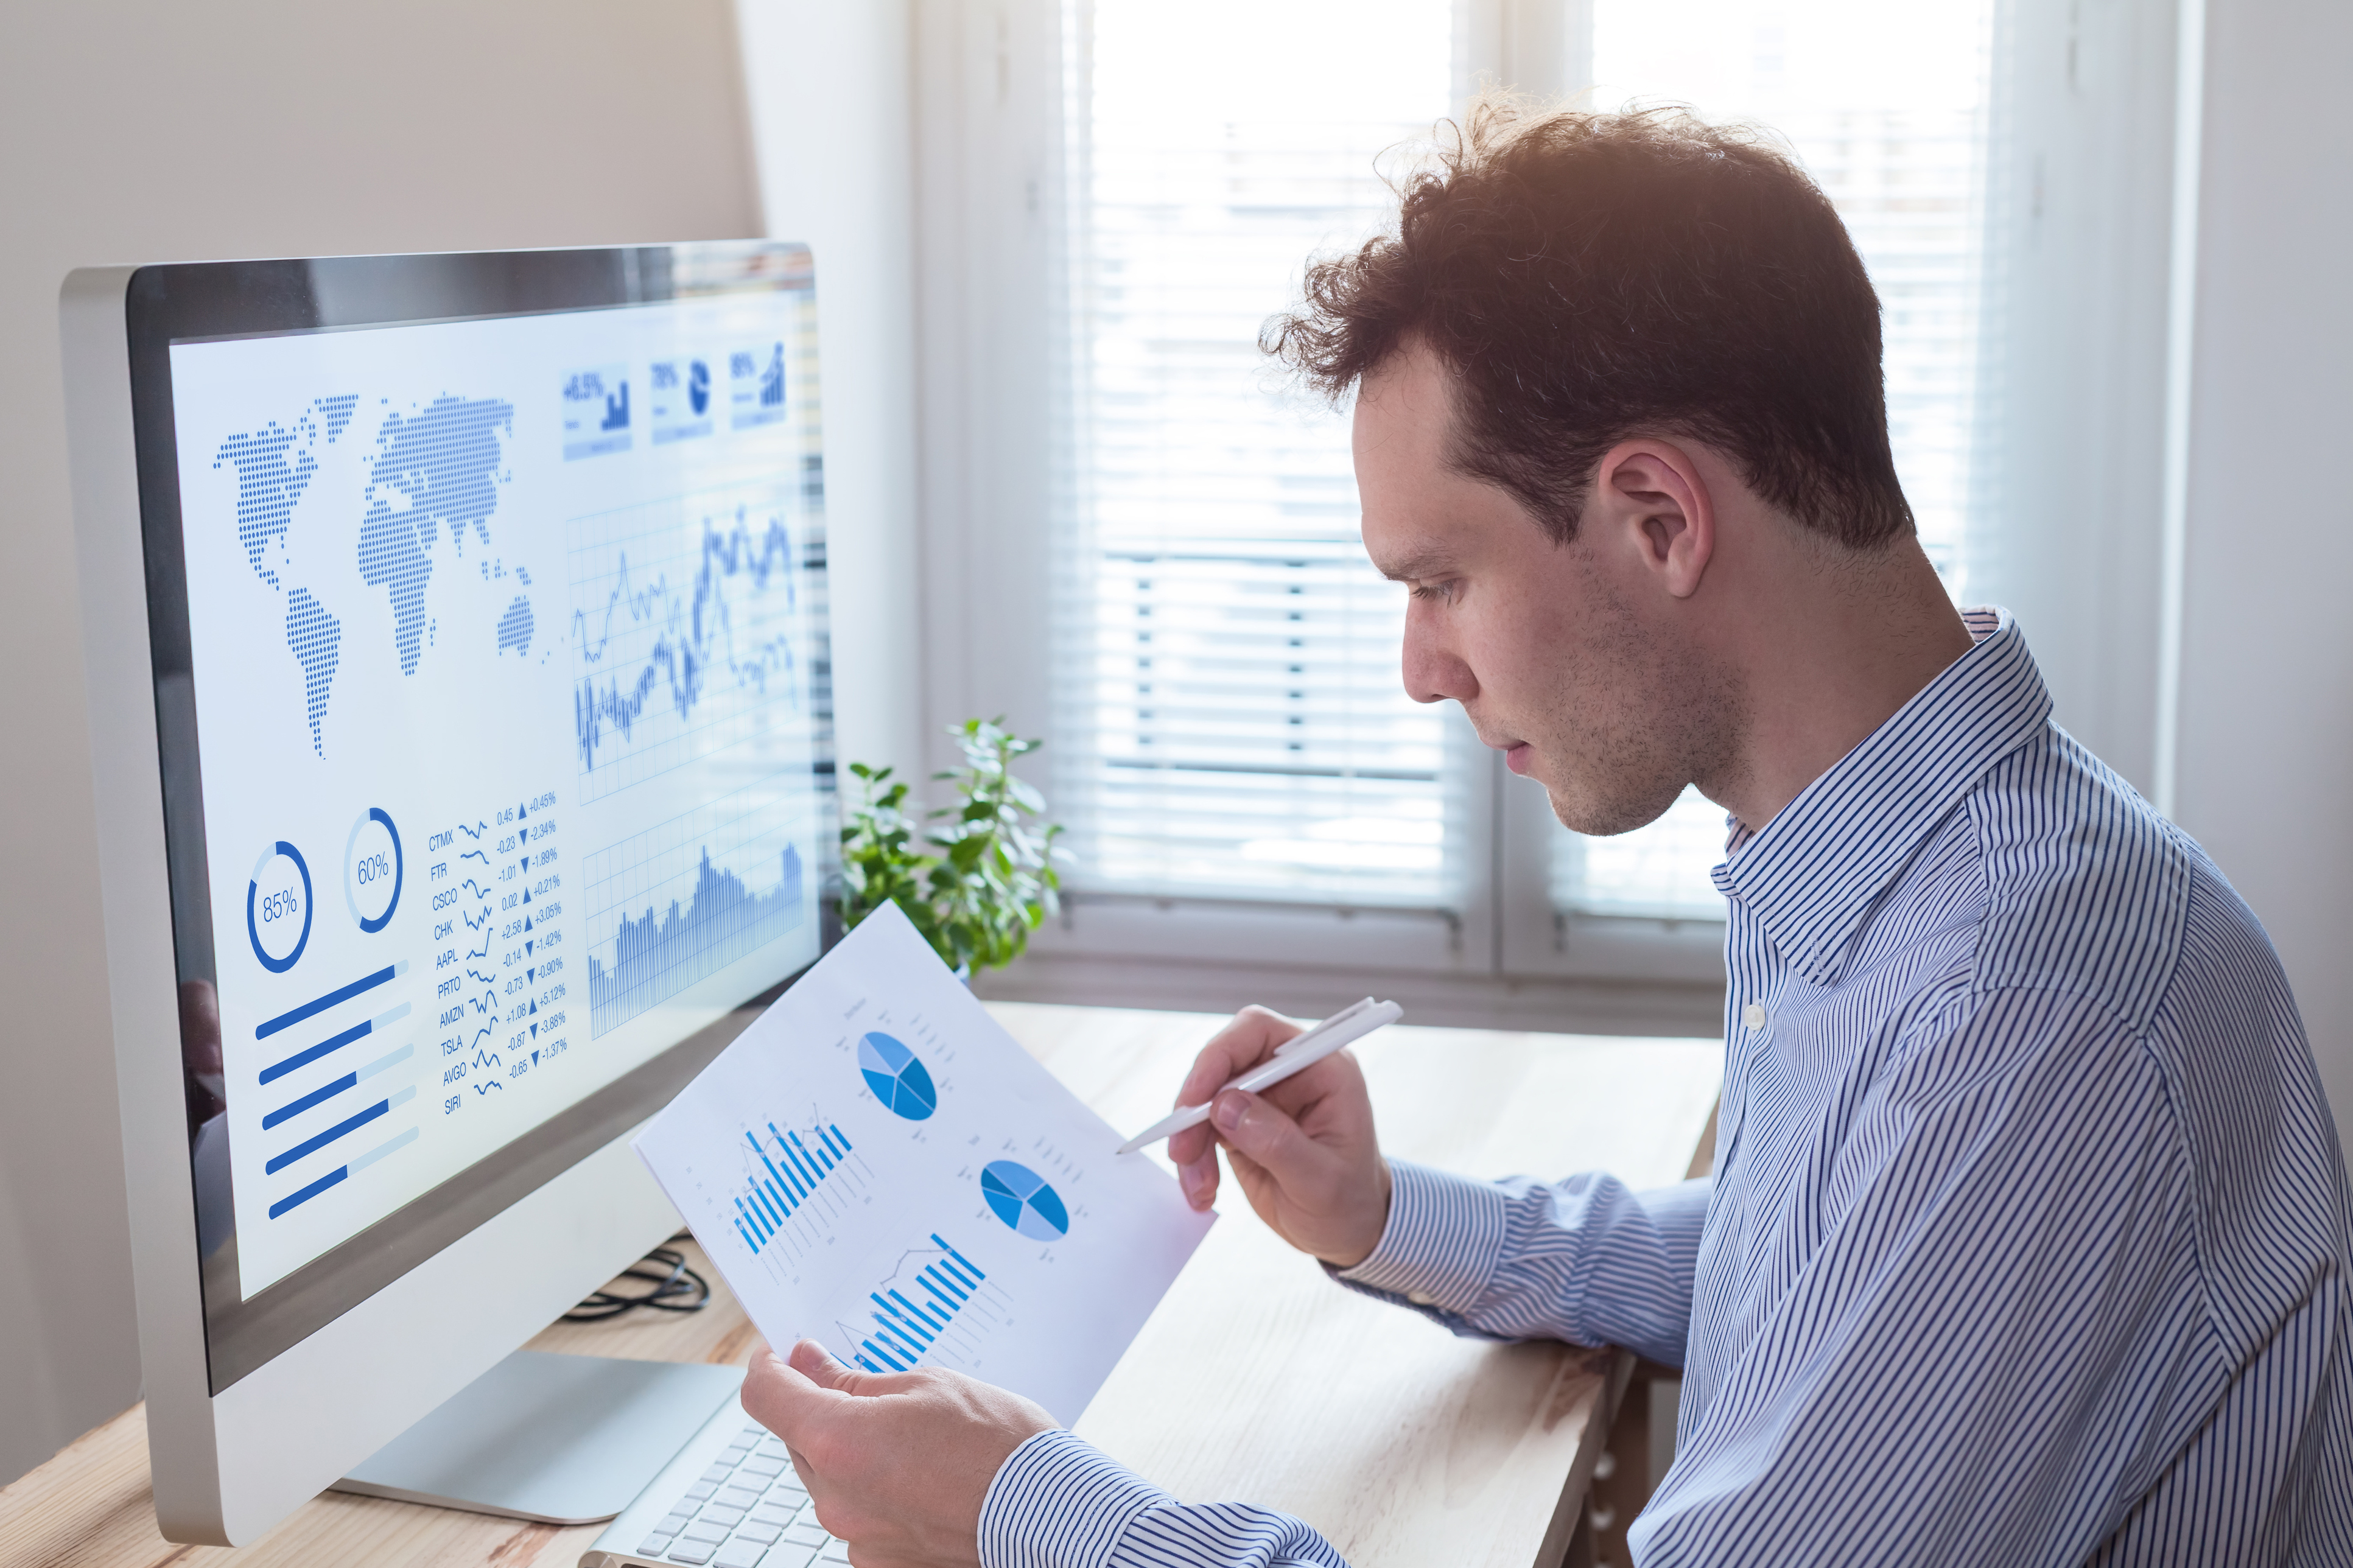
{"type": "Point", "coordinates": [671, 1277]}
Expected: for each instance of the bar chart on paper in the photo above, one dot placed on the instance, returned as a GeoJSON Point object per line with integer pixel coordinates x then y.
{"type": "Point", "coordinates": [934, 1199]}
{"type": "Point", "coordinates": [787, 1170]}
{"type": "Point", "coordinates": [937, 1307]}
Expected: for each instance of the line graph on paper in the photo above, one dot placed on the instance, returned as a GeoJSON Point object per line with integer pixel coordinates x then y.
{"type": "Point", "coordinates": [685, 630]}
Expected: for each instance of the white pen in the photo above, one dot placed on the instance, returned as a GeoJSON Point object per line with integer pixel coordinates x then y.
{"type": "Point", "coordinates": [1301, 1051]}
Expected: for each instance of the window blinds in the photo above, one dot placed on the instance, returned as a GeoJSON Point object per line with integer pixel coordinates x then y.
{"type": "Point", "coordinates": [1228, 716]}
{"type": "Point", "coordinates": [1228, 720]}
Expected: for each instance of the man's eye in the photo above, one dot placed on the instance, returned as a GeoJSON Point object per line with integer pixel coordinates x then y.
{"type": "Point", "coordinates": [1433, 590]}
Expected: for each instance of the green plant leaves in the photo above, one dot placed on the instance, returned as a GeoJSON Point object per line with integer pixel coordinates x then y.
{"type": "Point", "coordinates": [993, 880]}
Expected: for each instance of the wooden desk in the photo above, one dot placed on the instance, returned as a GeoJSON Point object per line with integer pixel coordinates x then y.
{"type": "Point", "coordinates": [1257, 1378]}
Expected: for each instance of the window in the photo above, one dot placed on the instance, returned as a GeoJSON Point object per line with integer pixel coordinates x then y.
{"type": "Point", "coordinates": [1230, 720]}
{"type": "Point", "coordinates": [1158, 535]}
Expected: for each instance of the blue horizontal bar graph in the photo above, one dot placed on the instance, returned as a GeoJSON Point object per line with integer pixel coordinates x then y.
{"type": "Point", "coordinates": [304, 1195]}
{"type": "Point", "coordinates": [276, 1070]}
{"type": "Point", "coordinates": [903, 1326]}
{"type": "Point", "coordinates": [324, 1092]}
{"type": "Point", "coordinates": [312, 1145]}
{"type": "Point", "coordinates": [392, 1145]}
{"type": "Point", "coordinates": [319, 1004]}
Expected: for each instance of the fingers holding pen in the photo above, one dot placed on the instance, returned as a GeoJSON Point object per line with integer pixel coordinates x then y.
{"type": "Point", "coordinates": [1255, 1034]}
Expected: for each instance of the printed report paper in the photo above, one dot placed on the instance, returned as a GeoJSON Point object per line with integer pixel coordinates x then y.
{"type": "Point", "coordinates": [876, 1165]}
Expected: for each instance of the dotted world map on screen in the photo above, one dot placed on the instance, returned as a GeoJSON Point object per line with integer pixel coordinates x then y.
{"type": "Point", "coordinates": [435, 467]}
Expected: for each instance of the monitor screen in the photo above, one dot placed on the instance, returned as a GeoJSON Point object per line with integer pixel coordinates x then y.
{"type": "Point", "coordinates": [496, 722]}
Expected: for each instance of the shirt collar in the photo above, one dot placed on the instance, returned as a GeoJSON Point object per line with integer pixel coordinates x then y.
{"type": "Point", "coordinates": [1812, 872]}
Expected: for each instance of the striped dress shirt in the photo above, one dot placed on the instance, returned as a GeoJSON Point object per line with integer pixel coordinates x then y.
{"type": "Point", "coordinates": [2027, 1238]}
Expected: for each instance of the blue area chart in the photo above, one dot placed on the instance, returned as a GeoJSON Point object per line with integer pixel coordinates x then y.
{"type": "Point", "coordinates": [657, 645]}
{"type": "Point", "coordinates": [1021, 1197]}
{"type": "Point", "coordinates": [897, 1076]}
{"type": "Point", "coordinates": [656, 956]}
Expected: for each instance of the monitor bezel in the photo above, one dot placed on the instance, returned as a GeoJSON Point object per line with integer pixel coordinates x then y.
{"type": "Point", "coordinates": [179, 303]}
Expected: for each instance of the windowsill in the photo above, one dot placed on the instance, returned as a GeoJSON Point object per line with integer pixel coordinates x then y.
{"type": "Point", "coordinates": [1589, 975]}
{"type": "Point", "coordinates": [1566, 1005]}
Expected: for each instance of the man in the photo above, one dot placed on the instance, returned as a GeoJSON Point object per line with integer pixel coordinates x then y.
{"type": "Point", "coordinates": [2027, 1239]}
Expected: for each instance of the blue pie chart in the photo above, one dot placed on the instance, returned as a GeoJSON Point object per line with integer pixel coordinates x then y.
{"type": "Point", "coordinates": [1021, 1197]}
{"type": "Point", "coordinates": [897, 1078]}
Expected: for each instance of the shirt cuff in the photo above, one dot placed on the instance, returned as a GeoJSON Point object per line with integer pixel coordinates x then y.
{"type": "Point", "coordinates": [1442, 1242]}
{"type": "Point", "coordinates": [1059, 1503]}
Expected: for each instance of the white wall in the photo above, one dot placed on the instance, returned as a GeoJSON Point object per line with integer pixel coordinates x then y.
{"type": "Point", "coordinates": [145, 131]}
{"type": "Point", "coordinates": [2267, 707]}
{"type": "Point", "coordinates": [2066, 527]}
{"type": "Point", "coordinates": [831, 88]}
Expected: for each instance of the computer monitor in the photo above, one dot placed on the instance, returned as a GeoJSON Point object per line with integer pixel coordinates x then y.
{"type": "Point", "coordinates": [460, 701]}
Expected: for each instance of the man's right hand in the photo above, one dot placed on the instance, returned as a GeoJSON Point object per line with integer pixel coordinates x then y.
{"type": "Point", "coordinates": [1304, 1151]}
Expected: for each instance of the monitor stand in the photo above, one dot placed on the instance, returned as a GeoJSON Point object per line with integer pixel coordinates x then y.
{"type": "Point", "coordinates": [561, 1439]}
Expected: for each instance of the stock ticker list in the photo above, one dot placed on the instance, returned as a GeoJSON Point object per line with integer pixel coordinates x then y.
{"type": "Point", "coordinates": [499, 964]}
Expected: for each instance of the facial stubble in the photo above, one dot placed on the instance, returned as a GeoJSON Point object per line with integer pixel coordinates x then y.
{"type": "Point", "coordinates": [1640, 714]}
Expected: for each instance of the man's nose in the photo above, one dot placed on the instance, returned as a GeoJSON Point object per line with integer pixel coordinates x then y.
{"type": "Point", "coordinates": [1433, 670]}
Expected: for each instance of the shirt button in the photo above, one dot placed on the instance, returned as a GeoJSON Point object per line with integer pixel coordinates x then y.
{"type": "Point", "coordinates": [1421, 1298]}
{"type": "Point", "coordinates": [1753, 1015]}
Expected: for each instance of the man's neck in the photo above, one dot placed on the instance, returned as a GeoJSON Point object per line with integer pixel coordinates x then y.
{"type": "Point", "coordinates": [1842, 651]}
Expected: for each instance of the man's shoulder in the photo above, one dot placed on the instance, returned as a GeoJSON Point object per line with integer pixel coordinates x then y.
{"type": "Point", "coordinates": [2089, 892]}
{"type": "Point", "coordinates": [2088, 889]}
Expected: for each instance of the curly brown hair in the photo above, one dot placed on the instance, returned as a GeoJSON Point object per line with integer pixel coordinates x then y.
{"type": "Point", "coordinates": [1585, 277]}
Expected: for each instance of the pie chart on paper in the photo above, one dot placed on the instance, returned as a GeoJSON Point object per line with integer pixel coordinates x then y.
{"type": "Point", "coordinates": [897, 1076]}
{"type": "Point", "coordinates": [1021, 1197]}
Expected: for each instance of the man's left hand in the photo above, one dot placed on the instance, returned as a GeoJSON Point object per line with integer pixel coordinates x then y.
{"type": "Point", "coordinates": [898, 1463]}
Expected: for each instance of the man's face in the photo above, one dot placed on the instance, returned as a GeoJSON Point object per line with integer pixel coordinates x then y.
{"type": "Point", "coordinates": [1561, 655]}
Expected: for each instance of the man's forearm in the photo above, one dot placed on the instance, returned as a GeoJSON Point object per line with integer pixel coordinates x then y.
{"type": "Point", "coordinates": [1585, 1259]}
{"type": "Point", "coordinates": [1059, 1503]}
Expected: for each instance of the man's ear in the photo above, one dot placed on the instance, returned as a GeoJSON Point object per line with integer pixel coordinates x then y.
{"type": "Point", "coordinates": [1649, 499]}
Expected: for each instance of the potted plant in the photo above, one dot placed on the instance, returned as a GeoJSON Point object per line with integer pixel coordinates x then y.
{"type": "Point", "coordinates": [986, 880]}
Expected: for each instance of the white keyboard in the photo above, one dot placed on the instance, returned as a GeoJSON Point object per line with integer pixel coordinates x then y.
{"type": "Point", "coordinates": [729, 1500]}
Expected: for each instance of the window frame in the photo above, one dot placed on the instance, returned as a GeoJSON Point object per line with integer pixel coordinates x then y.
{"type": "Point", "coordinates": [991, 79]}
{"type": "Point", "coordinates": [991, 82]}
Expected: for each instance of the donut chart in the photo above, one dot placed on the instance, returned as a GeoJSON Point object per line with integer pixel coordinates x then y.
{"type": "Point", "coordinates": [279, 904]}
{"type": "Point", "coordinates": [368, 870]}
